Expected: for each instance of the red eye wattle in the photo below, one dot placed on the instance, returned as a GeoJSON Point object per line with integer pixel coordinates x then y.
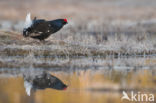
{"type": "Point", "coordinates": [65, 88]}
{"type": "Point", "coordinates": [65, 20]}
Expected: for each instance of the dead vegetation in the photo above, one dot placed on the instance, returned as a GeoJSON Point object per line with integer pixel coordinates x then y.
{"type": "Point", "coordinates": [103, 29]}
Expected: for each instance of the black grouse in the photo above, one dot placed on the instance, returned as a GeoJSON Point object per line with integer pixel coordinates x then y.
{"type": "Point", "coordinates": [42, 81]}
{"type": "Point", "coordinates": [40, 28]}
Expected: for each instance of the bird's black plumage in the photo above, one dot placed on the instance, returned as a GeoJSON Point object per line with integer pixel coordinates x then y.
{"type": "Point", "coordinates": [42, 81]}
{"type": "Point", "coordinates": [47, 80]}
{"type": "Point", "coordinates": [42, 29]}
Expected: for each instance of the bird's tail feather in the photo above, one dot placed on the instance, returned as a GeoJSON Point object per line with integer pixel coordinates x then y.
{"type": "Point", "coordinates": [28, 21]}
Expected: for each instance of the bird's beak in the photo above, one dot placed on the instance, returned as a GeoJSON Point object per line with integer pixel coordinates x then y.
{"type": "Point", "coordinates": [65, 88]}
{"type": "Point", "coordinates": [66, 22]}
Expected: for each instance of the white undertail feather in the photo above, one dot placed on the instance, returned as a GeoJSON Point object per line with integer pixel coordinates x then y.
{"type": "Point", "coordinates": [28, 21]}
{"type": "Point", "coordinates": [28, 87]}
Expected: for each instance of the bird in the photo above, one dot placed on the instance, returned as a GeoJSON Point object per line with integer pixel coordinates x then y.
{"type": "Point", "coordinates": [41, 29]}
{"type": "Point", "coordinates": [42, 81]}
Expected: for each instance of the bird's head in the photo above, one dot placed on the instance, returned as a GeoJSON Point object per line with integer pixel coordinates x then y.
{"type": "Point", "coordinates": [64, 21]}
{"type": "Point", "coordinates": [58, 86]}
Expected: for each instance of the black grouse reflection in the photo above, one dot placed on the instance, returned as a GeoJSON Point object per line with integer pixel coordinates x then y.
{"type": "Point", "coordinates": [42, 81]}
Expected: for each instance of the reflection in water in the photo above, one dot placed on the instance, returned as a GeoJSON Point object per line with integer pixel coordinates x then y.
{"type": "Point", "coordinates": [85, 86]}
{"type": "Point", "coordinates": [98, 81]}
{"type": "Point", "coordinates": [42, 81]}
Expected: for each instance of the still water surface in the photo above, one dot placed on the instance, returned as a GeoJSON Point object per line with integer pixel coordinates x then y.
{"type": "Point", "coordinates": [89, 80]}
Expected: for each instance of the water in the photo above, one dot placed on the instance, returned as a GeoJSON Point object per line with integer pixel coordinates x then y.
{"type": "Point", "coordinates": [89, 79]}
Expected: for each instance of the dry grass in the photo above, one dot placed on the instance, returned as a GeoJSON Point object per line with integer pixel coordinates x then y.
{"type": "Point", "coordinates": [96, 29]}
